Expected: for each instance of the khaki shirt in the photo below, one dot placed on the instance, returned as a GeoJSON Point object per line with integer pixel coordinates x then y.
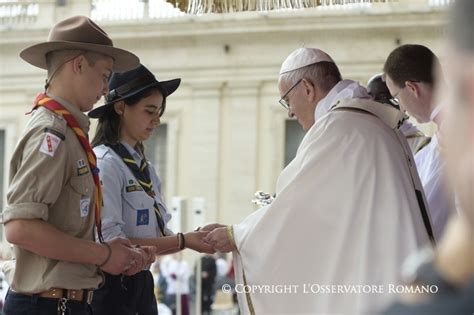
{"type": "Point", "coordinates": [50, 180]}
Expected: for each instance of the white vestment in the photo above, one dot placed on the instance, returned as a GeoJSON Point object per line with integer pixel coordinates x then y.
{"type": "Point", "coordinates": [432, 170]}
{"type": "Point", "coordinates": [345, 213]}
{"type": "Point", "coordinates": [415, 138]}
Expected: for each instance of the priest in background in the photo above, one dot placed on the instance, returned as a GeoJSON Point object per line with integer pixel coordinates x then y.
{"type": "Point", "coordinates": [451, 266]}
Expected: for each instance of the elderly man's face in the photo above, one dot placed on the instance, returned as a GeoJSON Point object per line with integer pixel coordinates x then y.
{"type": "Point", "coordinates": [458, 129]}
{"type": "Point", "coordinates": [300, 100]}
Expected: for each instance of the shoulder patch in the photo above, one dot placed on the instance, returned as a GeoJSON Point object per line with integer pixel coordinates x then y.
{"type": "Point", "coordinates": [50, 143]}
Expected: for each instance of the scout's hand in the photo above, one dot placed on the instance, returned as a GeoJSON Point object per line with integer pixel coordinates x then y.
{"type": "Point", "coordinates": [219, 239]}
{"type": "Point", "coordinates": [194, 240]}
{"type": "Point", "coordinates": [151, 252]}
{"type": "Point", "coordinates": [121, 257]}
{"type": "Point", "coordinates": [211, 227]}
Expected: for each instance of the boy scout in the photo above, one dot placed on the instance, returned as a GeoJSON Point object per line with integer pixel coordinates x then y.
{"type": "Point", "coordinates": [54, 197]}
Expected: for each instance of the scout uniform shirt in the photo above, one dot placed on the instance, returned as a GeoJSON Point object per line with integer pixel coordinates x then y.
{"type": "Point", "coordinates": [50, 180]}
{"type": "Point", "coordinates": [128, 210]}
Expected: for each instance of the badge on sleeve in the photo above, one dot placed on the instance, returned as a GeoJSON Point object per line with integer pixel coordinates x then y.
{"type": "Point", "coordinates": [50, 143]}
{"type": "Point", "coordinates": [84, 206]}
{"type": "Point", "coordinates": [143, 217]}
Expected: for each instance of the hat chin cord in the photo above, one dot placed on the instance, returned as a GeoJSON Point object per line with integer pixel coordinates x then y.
{"type": "Point", "coordinates": [48, 80]}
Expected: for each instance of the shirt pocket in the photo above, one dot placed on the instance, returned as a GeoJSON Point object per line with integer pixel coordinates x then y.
{"type": "Point", "coordinates": [73, 209]}
{"type": "Point", "coordinates": [138, 213]}
{"type": "Point", "coordinates": [81, 185]}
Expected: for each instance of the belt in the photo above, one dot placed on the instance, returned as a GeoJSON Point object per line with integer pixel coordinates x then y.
{"type": "Point", "coordinates": [74, 295]}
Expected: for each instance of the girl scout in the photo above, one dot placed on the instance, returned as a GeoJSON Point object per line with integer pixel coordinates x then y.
{"type": "Point", "coordinates": [133, 206]}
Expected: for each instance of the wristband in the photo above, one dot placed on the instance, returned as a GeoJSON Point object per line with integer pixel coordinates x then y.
{"type": "Point", "coordinates": [109, 254]}
{"type": "Point", "coordinates": [181, 241]}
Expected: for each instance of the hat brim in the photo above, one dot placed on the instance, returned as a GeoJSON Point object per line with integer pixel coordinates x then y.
{"type": "Point", "coordinates": [166, 87]}
{"type": "Point", "coordinates": [36, 54]}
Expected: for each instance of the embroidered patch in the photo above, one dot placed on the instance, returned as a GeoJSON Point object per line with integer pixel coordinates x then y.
{"type": "Point", "coordinates": [133, 188]}
{"type": "Point", "coordinates": [50, 144]}
{"type": "Point", "coordinates": [143, 217]}
{"type": "Point", "coordinates": [84, 206]}
{"type": "Point", "coordinates": [82, 167]}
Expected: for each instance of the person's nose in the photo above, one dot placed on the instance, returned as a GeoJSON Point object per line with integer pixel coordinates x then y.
{"type": "Point", "coordinates": [156, 120]}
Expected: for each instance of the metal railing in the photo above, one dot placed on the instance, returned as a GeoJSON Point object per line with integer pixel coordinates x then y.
{"type": "Point", "coordinates": [133, 9]}
{"type": "Point", "coordinates": [14, 12]}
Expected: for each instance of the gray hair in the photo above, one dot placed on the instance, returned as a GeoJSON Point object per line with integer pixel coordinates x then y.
{"type": "Point", "coordinates": [323, 74]}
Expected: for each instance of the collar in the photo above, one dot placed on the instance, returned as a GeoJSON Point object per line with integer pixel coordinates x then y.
{"type": "Point", "coordinates": [80, 117]}
{"type": "Point", "coordinates": [345, 89]}
{"type": "Point", "coordinates": [391, 116]}
{"type": "Point", "coordinates": [134, 153]}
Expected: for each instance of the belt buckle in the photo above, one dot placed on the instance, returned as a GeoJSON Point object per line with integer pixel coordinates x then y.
{"type": "Point", "coordinates": [90, 295]}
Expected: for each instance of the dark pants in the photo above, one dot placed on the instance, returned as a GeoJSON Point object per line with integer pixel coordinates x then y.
{"type": "Point", "coordinates": [124, 295]}
{"type": "Point", "coordinates": [20, 304]}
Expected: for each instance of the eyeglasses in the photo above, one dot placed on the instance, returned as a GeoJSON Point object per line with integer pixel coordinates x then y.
{"type": "Point", "coordinates": [283, 102]}
{"type": "Point", "coordinates": [394, 100]}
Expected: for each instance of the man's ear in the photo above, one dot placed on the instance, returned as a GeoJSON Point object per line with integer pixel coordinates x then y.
{"type": "Point", "coordinates": [78, 63]}
{"type": "Point", "coordinates": [413, 87]}
{"type": "Point", "coordinates": [119, 107]}
{"type": "Point", "coordinates": [309, 87]}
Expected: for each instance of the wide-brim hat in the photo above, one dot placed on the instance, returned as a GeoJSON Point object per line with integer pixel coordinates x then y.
{"type": "Point", "coordinates": [130, 83]}
{"type": "Point", "coordinates": [79, 33]}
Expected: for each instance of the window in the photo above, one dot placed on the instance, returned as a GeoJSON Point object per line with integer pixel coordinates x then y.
{"type": "Point", "coordinates": [293, 136]}
{"type": "Point", "coordinates": [156, 151]}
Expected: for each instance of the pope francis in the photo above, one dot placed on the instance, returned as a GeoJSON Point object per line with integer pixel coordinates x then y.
{"type": "Point", "coordinates": [348, 209]}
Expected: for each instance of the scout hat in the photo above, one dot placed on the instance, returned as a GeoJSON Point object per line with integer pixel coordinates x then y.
{"type": "Point", "coordinates": [81, 33]}
{"type": "Point", "coordinates": [127, 84]}
{"type": "Point", "coordinates": [303, 57]}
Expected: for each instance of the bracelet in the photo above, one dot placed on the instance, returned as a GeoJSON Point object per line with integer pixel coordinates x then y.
{"type": "Point", "coordinates": [181, 241]}
{"type": "Point", "coordinates": [109, 254]}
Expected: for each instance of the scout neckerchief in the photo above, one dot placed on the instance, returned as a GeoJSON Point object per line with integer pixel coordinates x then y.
{"type": "Point", "coordinates": [142, 175]}
{"type": "Point", "coordinates": [47, 102]}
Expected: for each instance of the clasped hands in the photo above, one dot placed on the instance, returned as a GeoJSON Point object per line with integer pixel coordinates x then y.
{"type": "Point", "coordinates": [127, 259]}
{"type": "Point", "coordinates": [218, 237]}
{"type": "Point", "coordinates": [209, 239]}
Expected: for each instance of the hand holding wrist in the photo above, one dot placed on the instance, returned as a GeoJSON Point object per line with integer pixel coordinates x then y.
{"type": "Point", "coordinates": [107, 257]}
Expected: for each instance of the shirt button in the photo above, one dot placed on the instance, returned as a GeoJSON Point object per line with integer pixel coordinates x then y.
{"type": "Point", "coordinates": [87, 190]}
